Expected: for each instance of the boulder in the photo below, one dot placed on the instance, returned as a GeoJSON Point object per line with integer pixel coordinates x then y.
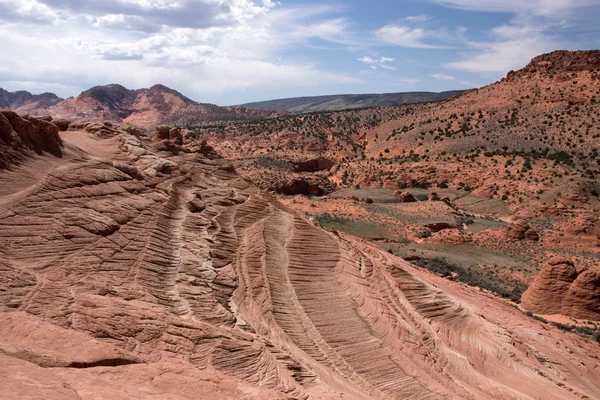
{"type": "Point", "coordinates": [451, 236]}
{"type": "Point", "coordinates": [22, 134]}
{"type": "Point", "coordinates": [61, 123]}
{"type": "Point", "coordinates": [560, 289]}
{"type": "Point", "coordinates": [405, 197]}
{"type": "Point", "coordinates": [546, 294]}
{"type": "Point", "coordinates": [161, 133]}
{"type": "Point", "coordinates": [583, 297]}
{"type": "Point", "coordinates": [520, 230]}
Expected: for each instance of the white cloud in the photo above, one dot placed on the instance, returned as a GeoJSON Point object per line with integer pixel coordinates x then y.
{"type": "Point", "coordinates": [27, 11]}
{"type": "Point", "coordinates": [443, 77]}
{"type": "Point", "coordinates": [93, 43]}
{"type": "Point", "coordinates": [548, 8]}
{"type": "Point", "coordinates": [381, 62]}
{"type": "Point", "coordinates": [405, 36]}
{"type": "Point", "coordinates": [367, 60]}
{"type": "Point", "coordinates": [537, 27]}
{"type": "Point", "coordinates": [500, 57]}
{"type": "Point", "coordinates": [511, 46]}
{"type": "Point", "coordinates": [417, 18]}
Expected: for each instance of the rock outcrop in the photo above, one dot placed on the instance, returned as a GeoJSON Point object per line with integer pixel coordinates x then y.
{"type": "Point", "coordinates": [314, 165]}
{"type": "Point", "coordinates": [20, 137]}
{"type": "Point", "coordinates": [560, 289]}
{"type": "Point", "coordinates": [560, 62]}
{"type": "Point", "coordinates": [405, 197]}
{"type": "Point", "coordinates": [520, 230]}
{"type": "Point", "coordinates": [301, 186]}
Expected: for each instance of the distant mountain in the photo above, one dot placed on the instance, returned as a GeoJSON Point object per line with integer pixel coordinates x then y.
{"type": "Point", "coordinates": [162, 105]}
{"type": "Point", "coordinates": [348, 101]}
{"type": "Point", "coordinates": [146, 107]}
{"type": "Point", "coordinates": [26, 103]}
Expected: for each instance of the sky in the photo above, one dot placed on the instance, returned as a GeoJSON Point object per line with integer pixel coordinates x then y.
{"type": "Point", "coordinates": [236, 51]}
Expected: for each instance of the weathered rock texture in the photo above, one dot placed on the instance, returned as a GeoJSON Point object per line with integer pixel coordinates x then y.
{"type": "Point", "coordinates": [20, 137]}
{"type": "Point", "coordinates": [560, 289]}
{"type": "Point", "coordinates": [127, 275]}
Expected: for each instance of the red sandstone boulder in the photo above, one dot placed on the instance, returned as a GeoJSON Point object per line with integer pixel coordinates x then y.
{"type": "Point", "coordinates": [520, 230]}
{"type": "Point", "coordinates": [547, 292]}
{"type": "Point", "coordinates": [583, 298]}
{"type": "Point", "coordinates": [560, 289]}
{"type": "Point", "coordinates": [405, 197]}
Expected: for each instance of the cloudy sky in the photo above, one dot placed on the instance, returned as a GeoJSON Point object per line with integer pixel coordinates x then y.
{"type": "Point", "coordinates": [235, 51]}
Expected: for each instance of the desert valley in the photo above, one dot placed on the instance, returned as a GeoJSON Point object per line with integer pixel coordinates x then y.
{"type": "Point", "coordinates": [444, 247]}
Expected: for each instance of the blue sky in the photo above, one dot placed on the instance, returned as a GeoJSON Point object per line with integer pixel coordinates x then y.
{"type": "Point", "coordinates": [236, 51]}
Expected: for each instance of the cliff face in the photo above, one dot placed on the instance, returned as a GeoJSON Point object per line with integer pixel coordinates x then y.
{"type": "Point", "coordinates": [159, 267]}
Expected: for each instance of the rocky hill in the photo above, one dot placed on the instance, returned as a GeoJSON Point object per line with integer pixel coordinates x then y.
{"type": "Point", "coordinates": [145, 108]}
{"type": "Point", "coordinates": [132, 268]}
{"type": "Point", "coordinates": [27, 103]}
{"type": "Point", "coordinates": [301, 105]}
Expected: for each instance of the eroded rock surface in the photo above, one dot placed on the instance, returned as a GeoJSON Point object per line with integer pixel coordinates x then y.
{"type": "Point", "coordinates": [560, 289]}
{"type": "Point", "coordinates": [19, 137]}
{"type": "Point", "coordinates": [187, 282]}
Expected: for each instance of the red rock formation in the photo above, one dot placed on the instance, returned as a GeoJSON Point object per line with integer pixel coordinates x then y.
{"type": "Point", "coordinates": [451, 236]}
{"type": "Point", "coordinates": [301, 186]}
{"type": "Point", "coordinates": [559, 289]}
{"type": "Point", "coordinates": [583, 298]}
{"type": "Point", "coordinates": [314, 165]}
{"type": "Point", "coordinates": [189, 282]}
{"type": "Point", "coordinates": [520, 230]}
{"type": "Point", "coordinates": [546, 294]}
{"type": "Point", "coordinates": [405, 197]}
{"type": "Point", "coordinates": [144, 107]}
{"type": "Point", "coordinates": [560, 62]}
{"type": "Point", "coordinates": [20, 137]}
